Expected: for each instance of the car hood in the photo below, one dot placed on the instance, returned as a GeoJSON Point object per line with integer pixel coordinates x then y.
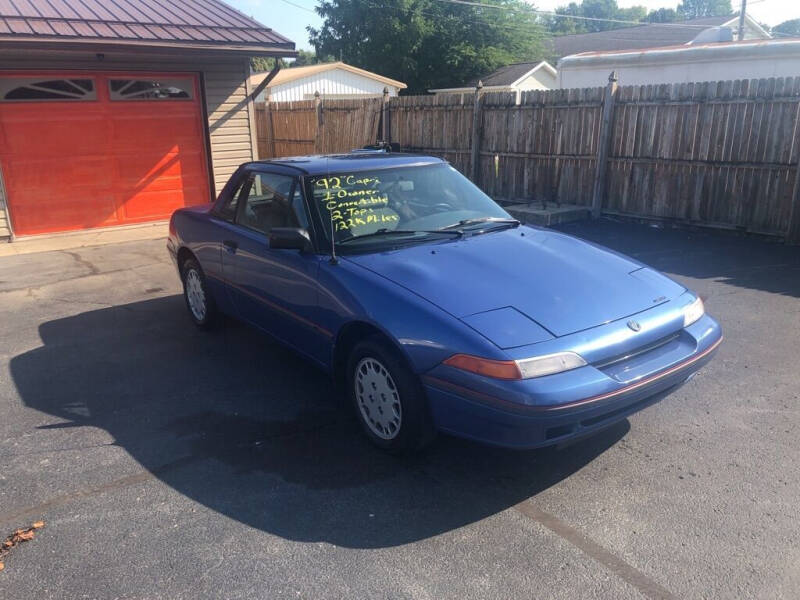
{"type": "Point", "coordinates": [557, 282]}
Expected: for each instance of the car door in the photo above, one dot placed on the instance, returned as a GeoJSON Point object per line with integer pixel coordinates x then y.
{"type": "Point", "coordinates": [275, 289]}
{"type": "Point", "coordinates": [216, 262]}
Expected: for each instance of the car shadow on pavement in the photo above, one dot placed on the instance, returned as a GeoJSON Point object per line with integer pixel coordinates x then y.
{"type": "Point", "coordinates": [747, 262]}
{"type": "Point", "coordinates": [241, 425]}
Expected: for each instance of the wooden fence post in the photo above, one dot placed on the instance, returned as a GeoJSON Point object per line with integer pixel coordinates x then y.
{"type": "Point", "coordinates": [385, 134]}
{"type": "Point", "coordinates": [270, 128]}
{"type": "Point", "coordinates": [603, 143]}
{"type": "Point", "coordinates": [319, 132]}
{"type": "Point", "coordinates": [475, 148]}
{"type": "Point", "coordinates": [793, 233]}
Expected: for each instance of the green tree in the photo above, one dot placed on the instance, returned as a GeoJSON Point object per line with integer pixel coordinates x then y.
{"type": "Point", "coordinates": [593, 15]}
{"type": "Point", "coordinates": [305, 57]}
{"type": "Point", "coordinates": [263, 63]}
{"type": "Point", "coordinates": [634, 13]}
{"type": "Point", "coordinates": [788, 28]}
{"type": "Point", "coordinates": [426, 43]}
{"type": "Point", "coordinates": [565, 25]}
{"type": "Point", "coordinates": [694, 9]}
{"type": "Point", "coordinates": [663, 15]}
{"type": "Point", "coordinates": [602, 15]}
{"type": "Point", "coordinates": [607, 10]}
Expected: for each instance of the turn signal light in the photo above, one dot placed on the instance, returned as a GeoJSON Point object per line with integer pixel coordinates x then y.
{"type": "Point", "coordinates": [526, 368]}
{"type": "Point", "coordinates": [499, 369]}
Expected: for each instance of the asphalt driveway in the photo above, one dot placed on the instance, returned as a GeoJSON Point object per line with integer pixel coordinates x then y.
{"type": "Point", "coordinates": [169, 463]}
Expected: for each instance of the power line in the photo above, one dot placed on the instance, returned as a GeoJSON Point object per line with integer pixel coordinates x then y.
{"type": "Point", "coordinates": [305, 8]}
{"type": "Point", "coordinates": [563, 16]}
{"type": "Point", "coordinates": [518, 26]}
{"type": "Point", "coordinates": [535, 27]}
{"type": "Point", "coordinates": [595, 19]}
{"type": "Point", "coordinates": [528, 28]}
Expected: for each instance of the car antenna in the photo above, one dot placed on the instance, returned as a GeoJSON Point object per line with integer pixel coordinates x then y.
{"type": "Point", "coordinates": [334, 260]}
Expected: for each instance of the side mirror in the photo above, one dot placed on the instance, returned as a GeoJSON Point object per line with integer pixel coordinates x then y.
{"type": "Point", "coordinates": [290, 238]}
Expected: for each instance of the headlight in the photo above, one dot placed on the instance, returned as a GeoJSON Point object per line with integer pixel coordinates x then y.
{"type": "Point", "coordinates": [693, 312]}
{"type": "Point", "coordinates": [549, 364]}
{"type": "Point", "coordinates": [526, 368]}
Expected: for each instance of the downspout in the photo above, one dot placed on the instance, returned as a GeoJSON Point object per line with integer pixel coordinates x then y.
{"type": "Point", "coordinates": [4, 205]}
{"type": "Point", "coordinates": [251, 102]}
{"type": "Point", "coordinates": [267, 80]}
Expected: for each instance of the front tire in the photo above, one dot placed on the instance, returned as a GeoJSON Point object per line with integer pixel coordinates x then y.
{"type": "Point", "coordinates": [388, 398]}
{"type": "Point", "coordinates": [199, 302]}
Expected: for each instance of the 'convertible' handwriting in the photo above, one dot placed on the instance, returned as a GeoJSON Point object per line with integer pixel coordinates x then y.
{"type": "Point", "coordinates": [354, 201]}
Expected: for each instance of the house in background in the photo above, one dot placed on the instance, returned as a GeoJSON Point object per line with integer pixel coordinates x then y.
{"type": "Point", "coordinates": [518, 78]}
{"type": "Point", "coordinates": [332, 80]}
{"type": "Point", "coordinates": [753, 59]}
{"type": "Point", "coordinates": [120, 113]}
{"type": "Point", "coordinates": [653, 35]}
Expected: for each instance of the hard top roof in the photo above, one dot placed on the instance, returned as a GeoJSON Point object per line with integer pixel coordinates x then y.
{"type": "Point", "coordinates": [355, 161]}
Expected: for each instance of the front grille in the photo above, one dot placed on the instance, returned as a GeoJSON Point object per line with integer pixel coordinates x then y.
{"type": "Point", "coordinates": [638, 351]}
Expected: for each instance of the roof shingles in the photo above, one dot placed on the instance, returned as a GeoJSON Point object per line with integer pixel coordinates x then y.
{"type": "Point", "coordinates": [504, 75]}
{"type": "Point", "coordinates": [177, 21]}
{"type": "Point", "coordinates": [635, 37]}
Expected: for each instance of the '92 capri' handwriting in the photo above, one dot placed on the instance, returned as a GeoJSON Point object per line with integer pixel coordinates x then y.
{"type": "Point", "coordinates": [354, 202]}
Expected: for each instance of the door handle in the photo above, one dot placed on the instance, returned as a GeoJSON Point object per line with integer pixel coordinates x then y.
{"type": "Point", "coordinates": [230, 246]}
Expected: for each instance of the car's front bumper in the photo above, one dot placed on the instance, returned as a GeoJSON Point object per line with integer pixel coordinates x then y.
{"type": "Point", "coordinates": [556, 408]}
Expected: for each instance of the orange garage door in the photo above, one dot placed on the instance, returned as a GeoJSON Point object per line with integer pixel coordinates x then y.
{"type": "Point", "coordinates": [83, 150]}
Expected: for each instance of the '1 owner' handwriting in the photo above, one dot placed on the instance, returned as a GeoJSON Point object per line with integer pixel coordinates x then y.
{"type": "Point", "coordinates": [354, 206]}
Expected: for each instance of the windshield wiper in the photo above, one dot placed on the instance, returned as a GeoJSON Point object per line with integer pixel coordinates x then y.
{"type": "Point", "coordinates": [493, 220]}
{"type": "Point", "coordinates": [387, 232]}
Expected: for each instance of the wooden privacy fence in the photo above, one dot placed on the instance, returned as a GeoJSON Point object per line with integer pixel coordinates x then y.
{"type": "Point", "coordinates": [316, 126]}
{"type": "Point", "coordinates": [721, 154]}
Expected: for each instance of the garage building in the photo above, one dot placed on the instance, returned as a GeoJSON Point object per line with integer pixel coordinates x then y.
{"type": "Point", "coordinates": [117, 113]}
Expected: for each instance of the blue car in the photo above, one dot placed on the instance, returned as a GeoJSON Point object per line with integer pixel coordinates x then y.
{"type": "Point", "coordinates": [431, 307]}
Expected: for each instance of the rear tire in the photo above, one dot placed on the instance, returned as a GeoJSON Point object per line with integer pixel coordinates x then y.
{"type": "Point", "coordinates": [388, 398]}
{"type": "Point", "coordinates": [199, 303]}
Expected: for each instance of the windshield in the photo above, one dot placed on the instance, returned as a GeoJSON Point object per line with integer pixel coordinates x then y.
{"type": "Point", "coordinates": [386, 205]}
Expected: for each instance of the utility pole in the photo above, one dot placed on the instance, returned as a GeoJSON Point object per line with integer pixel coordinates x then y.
{"type": "Point", "coordinates": [741, 20]}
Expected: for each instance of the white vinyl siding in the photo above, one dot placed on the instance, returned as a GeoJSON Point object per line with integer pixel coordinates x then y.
{"type": "Point", "coordinates": [687, 64]}
{"type": "Point", "coordinates": [333, 83]}
{"type": "Point", "coordinates": [539, 80]}
{"type": "Point", "coordinates": [228, 121]}
{"type": "Point", "coordinates": [229, 124]}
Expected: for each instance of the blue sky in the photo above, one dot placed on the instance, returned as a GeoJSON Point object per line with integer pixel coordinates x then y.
{"type": "Point", "coordinates": [290, 17]}
{"type": "Point", "coordinates": [283, 17]}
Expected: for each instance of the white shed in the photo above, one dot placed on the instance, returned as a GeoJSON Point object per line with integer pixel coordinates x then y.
{"type": "Point", "coordinates": [331, 80]}
{"type": "Point", "coordinates": [518, 77]}
{"type": "Point", "coordinates": [750, 59]}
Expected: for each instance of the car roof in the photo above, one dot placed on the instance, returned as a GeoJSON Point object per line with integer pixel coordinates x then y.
{"type": "Point", "coordinates": [355, 161]}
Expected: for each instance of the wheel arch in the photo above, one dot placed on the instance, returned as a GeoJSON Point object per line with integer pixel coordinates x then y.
{"type": "Point", "coordinates": [351, 334]}
{"type": "Point", "coordinates": [183, 255]}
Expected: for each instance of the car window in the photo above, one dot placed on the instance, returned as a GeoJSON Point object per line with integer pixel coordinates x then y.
{"type": "Point", "coordinates": [269, 203]}
{"type": "Point", "coordinates": [227, 210]}
{"type": "Point", "coordinates": [429, 198]}
{"type": "Point", "coordinates": [299, 208]}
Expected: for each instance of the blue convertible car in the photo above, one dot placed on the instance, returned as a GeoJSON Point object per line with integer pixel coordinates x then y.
{"type": "Point", "coordinates": [431, 307]}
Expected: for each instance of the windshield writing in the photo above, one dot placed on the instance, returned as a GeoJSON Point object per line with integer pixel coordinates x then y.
{"type": "Point", "coordinates": [414, 199]}
{"type": "Point", "coordinates": [355, 202]}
